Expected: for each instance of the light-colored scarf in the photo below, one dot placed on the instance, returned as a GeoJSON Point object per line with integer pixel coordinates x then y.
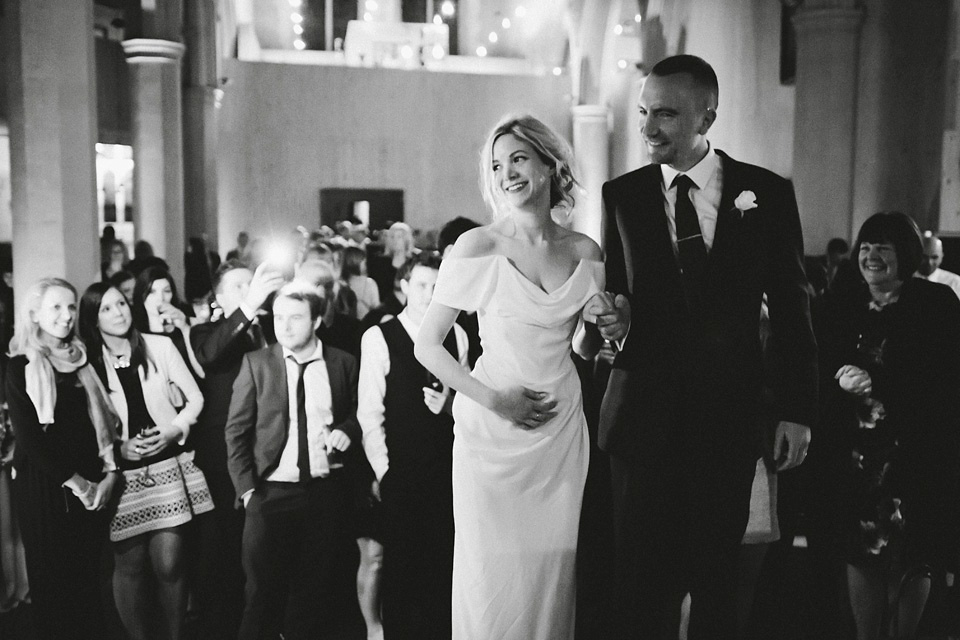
{"type": "Point", "coordinates": [42, 389]}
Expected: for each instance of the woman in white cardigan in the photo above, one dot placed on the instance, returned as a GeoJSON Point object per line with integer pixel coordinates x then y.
{"type": "Point", "coordinates": [157, 400]}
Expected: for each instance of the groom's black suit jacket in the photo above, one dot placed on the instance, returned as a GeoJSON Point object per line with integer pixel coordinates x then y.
{"type": "Point", "coordinates": [706, 370]}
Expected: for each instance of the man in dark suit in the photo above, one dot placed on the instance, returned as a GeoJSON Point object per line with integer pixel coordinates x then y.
{"type": "Point", "coordinates": [294, 407]}
{"type": "Point", "coordinates": [693, 242]}
{"type": "Point", "coordinates": [219, 347]}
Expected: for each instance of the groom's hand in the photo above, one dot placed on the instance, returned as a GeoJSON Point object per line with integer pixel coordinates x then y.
{"type": "Point", "coordinates": [790, 445]}
{"type": "Point", "coordinates": [615, 322]}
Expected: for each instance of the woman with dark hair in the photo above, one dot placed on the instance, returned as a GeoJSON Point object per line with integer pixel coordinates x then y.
{"type": "Point", "coordinates": [158, 309]}
{"type": "Point", "coordinates": [890, 361]}
{"type": "Point", "coordinates": [355, 275]}
{"type": "Point", "coordinates": [157, 400]}
{"type": "Point", "coordinates": [65, 429]}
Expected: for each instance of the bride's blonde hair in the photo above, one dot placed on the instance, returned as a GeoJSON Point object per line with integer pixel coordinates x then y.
{"type": "Point", "coordinates": [553, 151]}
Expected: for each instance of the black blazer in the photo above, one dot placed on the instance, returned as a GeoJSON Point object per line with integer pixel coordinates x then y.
{"type": "Point", "coordinates": [258, 422]}
{"type": "Point", "coordinates": [756, 253]}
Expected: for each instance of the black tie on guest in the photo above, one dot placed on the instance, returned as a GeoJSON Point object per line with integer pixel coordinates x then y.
{"type": "Point", "coordinates": [691, 250]}
{"type": "Point", "coordinates": [303, 446]}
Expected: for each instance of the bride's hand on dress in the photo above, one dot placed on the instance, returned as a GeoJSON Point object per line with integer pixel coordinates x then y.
{"type": "Point", "coordinates": [525, 407]}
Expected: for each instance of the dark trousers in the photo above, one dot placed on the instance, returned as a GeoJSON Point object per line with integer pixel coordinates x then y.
{"type": "Point", "coordinates": [678, 528]}
{"type": "Point", "coordinates": [295, 542]}
{"type": "Point", "coordinates": [417, 557]}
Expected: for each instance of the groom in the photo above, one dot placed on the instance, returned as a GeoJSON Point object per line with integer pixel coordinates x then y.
{"type": "Point", "coordinates": [693, 242]}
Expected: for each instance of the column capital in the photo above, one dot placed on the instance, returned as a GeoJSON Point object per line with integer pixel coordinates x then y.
{"type": "Point", "coordinates": [152, 50]}
{"type": "Point", "coordinates": [828, 18]}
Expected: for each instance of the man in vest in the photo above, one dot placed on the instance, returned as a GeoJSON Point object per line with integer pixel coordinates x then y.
{"type": "Point", "coordinates": [408, 438]}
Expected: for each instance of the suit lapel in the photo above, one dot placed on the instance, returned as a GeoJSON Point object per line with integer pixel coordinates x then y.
{"type": "Point", "coordinates": [336, 384]}
{"type": "Point", "coordinates": [652, 230]}
{"type": "Point", "coordinates": [728, 218]}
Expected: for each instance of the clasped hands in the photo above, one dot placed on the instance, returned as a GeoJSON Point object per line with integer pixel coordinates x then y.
{"type": "Point", "coordinates": [854, 380]}
{"type": "Point", "coordinates": [525, 407]}
{"type": "Point", "coordinates": [610, 313]}
{"type": "Point", "coordinates": [149, 442]}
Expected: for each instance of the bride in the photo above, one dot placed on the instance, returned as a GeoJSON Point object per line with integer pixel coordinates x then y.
{"type": "Point", "coordinates": [521, 447]}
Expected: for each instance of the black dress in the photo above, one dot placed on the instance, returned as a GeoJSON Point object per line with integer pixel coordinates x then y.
{"type": "Point", "coordinates": [894, 457]}
{"type": "Point", "coordinates": [63, 541]}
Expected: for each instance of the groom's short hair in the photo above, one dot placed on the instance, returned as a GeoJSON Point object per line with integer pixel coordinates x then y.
{"type": "Point", "coordinates": [699, 69]}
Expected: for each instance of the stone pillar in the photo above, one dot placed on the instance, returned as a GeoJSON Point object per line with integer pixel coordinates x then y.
{"type": "Point", "coordinates": [156, 128]}
{"type": "Point", "coordinates": [828, 34]}
{"type": "Point", "coordinates": [201, 102]}
{"type": "Point", "coordinates": [53, 134]}
{"type": "Point", "coordinates": [950, 166]}
{"type": "Point", "coordinates": [591, 146]}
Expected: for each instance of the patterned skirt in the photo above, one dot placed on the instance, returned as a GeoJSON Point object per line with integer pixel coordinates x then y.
{"type": "Point", "coordinates": [177, 492]}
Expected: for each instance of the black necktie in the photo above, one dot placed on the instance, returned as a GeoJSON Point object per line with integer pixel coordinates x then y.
{"type": "Point", "coordinates": [303, 446]}
{"type": "Point", "coordinates": [690, 247]}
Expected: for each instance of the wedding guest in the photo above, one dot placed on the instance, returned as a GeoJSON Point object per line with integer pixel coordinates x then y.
{"type": "Point", "coordinates": [355, 276]}
{"type": "Point", "coordinates": [239, 252]}
{"type": "Point", "coordinates": [126, 282]}
{"type": "Point", "coordinates": [157, 400]}
{"type": "Point", "coordinates": [158, 309]}
{"type": "Point", "coordinates": [117, 259]}
{"type": "Point", "coordinates": [292, 415]}
{"type": "Point", "coordinates": [65, 429]}
{"type": "Point", "coordinates": [220, 346]}
{"type": "Point", "coordinates": [337, 329]}
{"type": "Point", "coordinates": [891, 422]}
{"type": "Point", "coordinates": [398, 248]}
{"type": "Point", "coordinates": [405, 415]}
{"type": "Point", "coordinates": [930, 264]}
{"type": "Point", "coordinates": [143, 257]}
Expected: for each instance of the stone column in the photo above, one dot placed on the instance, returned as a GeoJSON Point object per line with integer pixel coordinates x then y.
{"type": "Point", "coordinates": [950, 166]}
{"type": "Point", "coordinates": [591, 146]}
{"type": "Point", "coordinates": [53, 134]}
{"type": "Point", "coordinates": [828, 34]}
{"type": "Point", "coordinates": [156, 125]}
{"type": "Point", "coordinates": [201, 102]}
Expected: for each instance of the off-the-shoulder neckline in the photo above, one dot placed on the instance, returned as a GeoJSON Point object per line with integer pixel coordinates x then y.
{"type": "Point", "coordinates": [523, 276]}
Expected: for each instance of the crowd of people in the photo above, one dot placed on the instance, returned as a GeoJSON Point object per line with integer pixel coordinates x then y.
{"type": "Point", "coordinates": [316, 442]}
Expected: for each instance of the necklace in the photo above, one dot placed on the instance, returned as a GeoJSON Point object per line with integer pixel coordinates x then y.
{"type": "Point", "coordinates": [120, 360]}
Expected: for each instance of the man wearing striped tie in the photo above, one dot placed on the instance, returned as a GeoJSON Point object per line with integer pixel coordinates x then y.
{"type": "Point", "coordinates": [693, 241]}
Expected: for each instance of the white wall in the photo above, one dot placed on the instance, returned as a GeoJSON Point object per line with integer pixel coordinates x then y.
{"type": "Point", "coordinates": [287, 131]}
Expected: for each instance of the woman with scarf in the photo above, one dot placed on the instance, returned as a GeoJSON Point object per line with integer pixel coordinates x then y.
{"type": "Point", "coordinates": [157, 400]}
{"type": "Point", "coordinates": [65, 429]}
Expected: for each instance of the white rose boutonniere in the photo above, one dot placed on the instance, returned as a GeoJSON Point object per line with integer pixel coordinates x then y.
{"type": "Point", "coordinates": [745, 201]}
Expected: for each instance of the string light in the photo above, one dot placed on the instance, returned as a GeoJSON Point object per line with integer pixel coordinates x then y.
{"type": "Point", "coordinates": [481, 51]}
{"type": "Point", "coordinates": [296, 18]}
{"type": "Point", "coordinates": [506, 23]}
{"type": "Point", "coordinates": [298, 29]}
{"type": "Point", "coordinates": [437, 19]}
{"type": "Point", "coordinates": [447, 8]}
{"type": "Point", "coordinates": [296, 4]}
{"type": "Point", "coordinates": [367, 17]}
{"type": "Point", "coordinates": [557, 71]}
{"type": "Point", "coordinates": [520, 11]}
{"type": "Point", "coordinates": [371, 5]}
{"type": "Point", "coordinates": [637, 18]}
{"type": "Point", "coordinates": [406, 52]}
{"type": "Point", "coordinates": [493, 37]}
{"type": "Point", "coordinates": [437, 51]}
{"type": "Point", "coordinates": [622, 63]}
{"type": "Point", "coordinates": [617, 30]}
{"type": "Point", "coordinates": [299, 44]}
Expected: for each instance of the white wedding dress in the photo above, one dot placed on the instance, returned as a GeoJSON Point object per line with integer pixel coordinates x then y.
{"type": "Point", "coordinates": [517, 492]}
